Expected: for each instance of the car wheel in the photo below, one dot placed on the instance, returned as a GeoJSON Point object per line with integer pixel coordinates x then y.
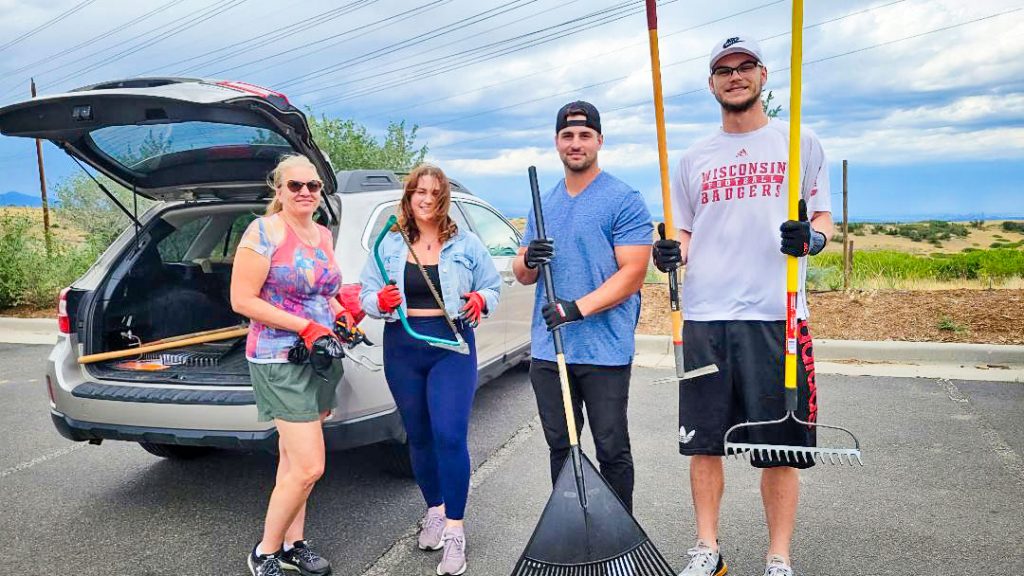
{"type": "Point", "coordinates": [174, 451]}
{"type": "Point", "coordinates": [394, 459]}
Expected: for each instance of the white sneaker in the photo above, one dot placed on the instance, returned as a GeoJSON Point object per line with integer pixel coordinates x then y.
{"type": "Point", "coordinates": [704, 561]}
{"type": "Point", "coordinates": [777, 567]}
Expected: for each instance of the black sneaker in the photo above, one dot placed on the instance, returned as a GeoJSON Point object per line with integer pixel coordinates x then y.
{"type": "Point", "coordinates": [264, 564]}
{"type": "Point", "coordinates": [302, 558]}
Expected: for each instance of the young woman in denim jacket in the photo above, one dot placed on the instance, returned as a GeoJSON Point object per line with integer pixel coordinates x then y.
{"type": "Point", "coordinates": [433, 387]}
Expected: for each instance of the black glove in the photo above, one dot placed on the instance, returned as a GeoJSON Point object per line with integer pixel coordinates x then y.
{"type": "Point", "coordinates": [324, 351]}
{"type": "Point", "coordinates": [667, 254]}
{"type": "Point", "coordinates": [560, 312]}
{"type": "Point", "coordinates": [798, 238]}
{"type": "Point", "coordinates": [539, 251]}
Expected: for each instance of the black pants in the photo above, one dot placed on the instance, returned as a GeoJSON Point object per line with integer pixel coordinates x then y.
{"type": "Point", "coordinates": [604, 390]}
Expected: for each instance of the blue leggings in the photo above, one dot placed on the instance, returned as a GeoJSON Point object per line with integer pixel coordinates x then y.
{"type": "Point", "coordinates": [434, 389]}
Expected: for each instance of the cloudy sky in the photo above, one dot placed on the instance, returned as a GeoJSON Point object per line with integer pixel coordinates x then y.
{"type": "Point", "coordinates": [925, 99]}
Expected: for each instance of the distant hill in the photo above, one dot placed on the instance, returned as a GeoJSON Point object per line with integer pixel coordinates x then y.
{"type": "Point", "coordinates": [13, 198]}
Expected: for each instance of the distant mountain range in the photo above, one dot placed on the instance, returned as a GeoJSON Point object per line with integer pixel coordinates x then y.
{"type": "Point", "coordinates": [13, 198]}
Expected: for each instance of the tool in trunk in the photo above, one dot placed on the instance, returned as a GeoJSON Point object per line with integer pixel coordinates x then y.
{"type": "Point", "coordinates": [666, 204]}
{"type": "Point", "coordinates": [458, 345]}
{"type": "Point", "coordinates": [167, 343]}
{"type": "Point", "coordinates": [584, 529]}
{"type": "Point", "coordinates": [794, 454]}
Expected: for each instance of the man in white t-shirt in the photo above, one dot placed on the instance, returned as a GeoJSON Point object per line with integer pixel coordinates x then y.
{"type": "Point", "coordinates": [730, 201]}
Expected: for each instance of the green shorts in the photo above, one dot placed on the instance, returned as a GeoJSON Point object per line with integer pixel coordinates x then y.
{"type": "Point", "coordinates": [293, 392]}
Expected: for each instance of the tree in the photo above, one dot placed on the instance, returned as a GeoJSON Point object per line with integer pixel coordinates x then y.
{"type": "Point", "coordinates": [349, 145]}
{"type": "Point", "coordinates": [81, 203]}
{"type": "Point", "coordinates": [766, 105]}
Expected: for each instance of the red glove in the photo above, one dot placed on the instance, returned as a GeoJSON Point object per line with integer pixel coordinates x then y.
{"type": "Point", "coordinates": [474, 307]}
{"type": "Point", "coordinates": [388, 298]}
{"type": "Point", "coordinates": [313, 332]}
{"type": "Point", "coordinates": [345, 317]}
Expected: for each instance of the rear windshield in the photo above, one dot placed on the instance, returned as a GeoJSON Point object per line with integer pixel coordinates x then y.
{"type": "Point", "coordinates": [144, 149]}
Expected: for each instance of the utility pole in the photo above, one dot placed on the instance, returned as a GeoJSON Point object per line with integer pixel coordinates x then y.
{"type": "Point", "coordinates": [846, 235]}
{"type": "Point", "coordinates": [42, 184]}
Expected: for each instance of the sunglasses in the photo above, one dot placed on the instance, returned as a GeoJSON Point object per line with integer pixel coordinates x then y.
{"type": "Point", "coordinates": [313, 186]}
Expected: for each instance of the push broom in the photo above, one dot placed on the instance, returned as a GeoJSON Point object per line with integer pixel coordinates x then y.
{"type": "Point", "coordinates": [585, 530]}
{"type": "Point", "coordinates": [793, 454]}
{"type": "Point", "coordinates": [667, 227]}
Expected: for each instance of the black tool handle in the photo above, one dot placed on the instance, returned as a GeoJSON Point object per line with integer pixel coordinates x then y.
{"type": "Point", "coordinates": [545, 269]}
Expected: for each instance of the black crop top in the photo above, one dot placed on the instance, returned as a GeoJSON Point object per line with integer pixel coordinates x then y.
{"type": "Point", "coordinates": [417, 293]}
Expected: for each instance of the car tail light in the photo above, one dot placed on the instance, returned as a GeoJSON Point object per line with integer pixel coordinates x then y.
{"type": "Point", "coordinates": [63, 319]}
{"type": "Point", "coordinates": [276, 97]}
{"type": "Point", "coordinates": [49, 390]}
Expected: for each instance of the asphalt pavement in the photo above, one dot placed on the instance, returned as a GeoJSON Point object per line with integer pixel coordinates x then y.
{"type": "Point", "coordinates": [941, 492]}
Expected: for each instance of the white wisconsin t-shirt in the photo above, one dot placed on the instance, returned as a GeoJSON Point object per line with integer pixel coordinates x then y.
{"type": "Point", "coordinates": [730, 192]}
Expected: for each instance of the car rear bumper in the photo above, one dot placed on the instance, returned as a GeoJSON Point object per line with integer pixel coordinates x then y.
{"type": "Point", "coordinates": [337, 435]}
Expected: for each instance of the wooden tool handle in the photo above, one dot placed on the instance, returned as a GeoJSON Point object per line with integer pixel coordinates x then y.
{"type": "Point", "coordinates": [165, 345]}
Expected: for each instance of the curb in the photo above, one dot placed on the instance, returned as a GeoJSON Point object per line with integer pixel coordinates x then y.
{"type": "Point", "coordinates": [881, 351]}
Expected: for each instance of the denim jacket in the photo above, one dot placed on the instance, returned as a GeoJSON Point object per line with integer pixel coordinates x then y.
{"type": "Point", "coordinates": [465, 265]}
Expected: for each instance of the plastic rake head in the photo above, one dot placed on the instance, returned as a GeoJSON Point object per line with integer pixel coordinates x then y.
{"type": "Point", "coordinates": [644, 560]}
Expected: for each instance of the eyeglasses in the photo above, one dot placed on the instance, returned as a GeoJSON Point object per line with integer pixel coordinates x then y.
{"type": "Point", "coordinates": [723, 72]}
{"type": "Point", "coordinates": [313, 186]}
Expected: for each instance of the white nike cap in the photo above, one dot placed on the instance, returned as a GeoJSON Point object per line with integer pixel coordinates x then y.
{"type": "Point", "coordinates": [735, 44]}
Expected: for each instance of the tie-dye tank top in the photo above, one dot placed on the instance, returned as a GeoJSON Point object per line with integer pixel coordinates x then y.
{"type": "Point", "coordinates": [301, 281]}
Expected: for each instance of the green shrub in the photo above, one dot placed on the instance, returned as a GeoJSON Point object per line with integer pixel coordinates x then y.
{"type": "Point", "coordinates": [1010, 226]}
{"type": "Point", "coordinates": [27, 275]}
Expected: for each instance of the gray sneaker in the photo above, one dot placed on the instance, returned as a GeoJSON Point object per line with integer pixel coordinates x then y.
{"type": "Point", "coordinates": [453, 559]}
{"type": "Point", "coordinates": [777, 567]}
{"type": "Point", "coordinates": [704, 561]}
{"type": "Point", "coordinates": [431, 528]}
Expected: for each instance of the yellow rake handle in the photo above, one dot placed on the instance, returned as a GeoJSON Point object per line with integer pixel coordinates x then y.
{"type": "Point", "coordinates": [793, 169]}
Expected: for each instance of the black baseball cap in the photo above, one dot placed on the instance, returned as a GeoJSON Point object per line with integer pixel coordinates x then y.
{"type": "Point", "coordinates": [578, 108]}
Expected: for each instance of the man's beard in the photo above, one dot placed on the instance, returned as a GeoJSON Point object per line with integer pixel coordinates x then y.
{"type": "Point", "coordinates": [742, 106]}
{"type": "Point", "coordinates": [585, 164]}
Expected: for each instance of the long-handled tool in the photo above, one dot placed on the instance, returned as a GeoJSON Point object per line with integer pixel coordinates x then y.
{"type": "Point", "coordinates": [794, 454]}
{"type": "Point", "coordinates": [666, 204]}
{"type": "Point", "coordinates": [585, 529]}
{"type": "Point", "coordinates": [168, 343]}
{"type": "Point", "coordinates": [458, 345]}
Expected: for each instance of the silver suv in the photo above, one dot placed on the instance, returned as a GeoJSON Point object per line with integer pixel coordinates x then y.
{"type": "Point", "coordinates": [202, 150]}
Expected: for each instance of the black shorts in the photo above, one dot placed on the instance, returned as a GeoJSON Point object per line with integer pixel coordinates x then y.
{"type": "Point", "coordinates": [749, 386]}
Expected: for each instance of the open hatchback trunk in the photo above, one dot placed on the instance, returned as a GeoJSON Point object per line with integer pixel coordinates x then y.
{"type": "Point", "coordinates": [204, 149]}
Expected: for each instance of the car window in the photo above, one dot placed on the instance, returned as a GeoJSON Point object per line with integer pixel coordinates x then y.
{"type": "Point", "coordinates": [225, 250]}
{"type": "Point", "coordinates": [144, 149]}
{"type": "Point", "coordinates": [498, 235]}
{"type": "Point", "coordinates": [175, 246]}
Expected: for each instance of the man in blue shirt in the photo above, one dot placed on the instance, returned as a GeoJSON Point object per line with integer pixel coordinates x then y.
{"type": "Point", "coordinates": [599, 244]}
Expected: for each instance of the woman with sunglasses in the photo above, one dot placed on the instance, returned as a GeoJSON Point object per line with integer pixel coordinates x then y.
{"type": "Point", "coordinates": [285, 280]}
{"type": "Point", "coordinates": [448, 278]}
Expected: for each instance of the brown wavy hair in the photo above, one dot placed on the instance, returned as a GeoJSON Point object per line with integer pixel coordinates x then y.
{"type": "Point", "coordinates": [446, 226]}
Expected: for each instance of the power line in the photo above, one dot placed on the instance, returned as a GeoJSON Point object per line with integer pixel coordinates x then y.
{"type": "Point", "coordinates": [415, 40]}
{"type": "Point", "coordinates": [364, 30]}
{"type": "Point", "coordinates": [265, 38]}
{"type": "Point", "coordinates": [188, 25]}
{"type": "Point", "coordinates": [496, 50]}
{"type": "Point", "coordinates": [92, 55]}
{"type": "Point", "coordinates": [47, 24]}
{"type": "Point", "coordinates": [94, 39]}
{"type": "Point", "coordinates": [574, 62]}
{"type": "Point", "coordinates": [807, 63]}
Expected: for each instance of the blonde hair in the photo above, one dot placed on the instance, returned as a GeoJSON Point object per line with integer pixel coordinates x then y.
{"type": "Point", "coordinates": [276, 177]}
{"type": "Point", "coordinates": [447, 228]}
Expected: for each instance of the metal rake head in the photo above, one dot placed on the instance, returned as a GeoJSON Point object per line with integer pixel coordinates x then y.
{"type": "Point", "coordinates": [794, 454]}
